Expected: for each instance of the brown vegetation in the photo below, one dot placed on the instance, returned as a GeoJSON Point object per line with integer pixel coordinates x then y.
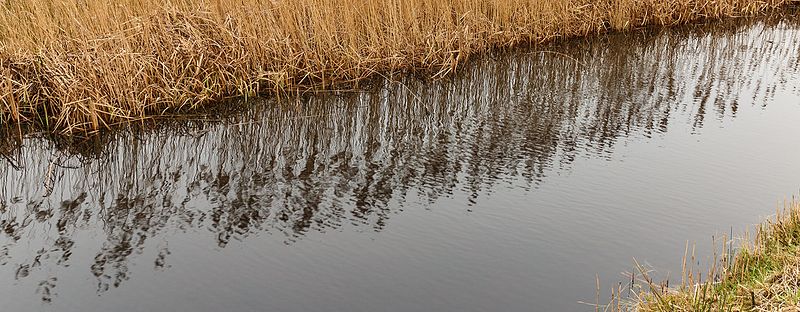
{"type": "Point", "coordinates": [82, 65]}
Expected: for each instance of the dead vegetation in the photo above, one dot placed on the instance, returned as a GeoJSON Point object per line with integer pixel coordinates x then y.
{"type": "Point", "coordinates": [82, 65]}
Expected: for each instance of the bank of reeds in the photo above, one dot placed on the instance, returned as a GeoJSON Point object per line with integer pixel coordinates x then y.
{"type": "Point", "coordinates": [82, 65]}
{"type": "Point", "coordinates": [761, 275]}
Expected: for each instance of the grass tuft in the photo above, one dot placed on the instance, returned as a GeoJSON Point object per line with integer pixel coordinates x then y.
{"type": "Point", "coordinates": [762, 275]}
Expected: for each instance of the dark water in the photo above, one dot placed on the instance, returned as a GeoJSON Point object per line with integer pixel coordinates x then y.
{"type": "Point", "coordinates": [507, 188]}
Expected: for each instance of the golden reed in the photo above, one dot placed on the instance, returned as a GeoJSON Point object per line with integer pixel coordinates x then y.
{"type": "Point", "coordinates": [84, 65]}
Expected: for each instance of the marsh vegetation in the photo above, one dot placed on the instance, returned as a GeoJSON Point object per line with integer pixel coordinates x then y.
{"type": "Point", "coordinates": [77, 66]}
{"type": "Point", "coordinates": [758, 273]}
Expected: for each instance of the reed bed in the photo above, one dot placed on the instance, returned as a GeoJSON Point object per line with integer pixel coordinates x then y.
{"type": "Point", "coordinates": [72, 66]}
{"type": "Point", "coordinates": [762, 275]}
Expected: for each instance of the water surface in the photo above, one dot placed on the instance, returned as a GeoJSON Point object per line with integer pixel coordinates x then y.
{"type": "Point", "coordinates": [509, 187]}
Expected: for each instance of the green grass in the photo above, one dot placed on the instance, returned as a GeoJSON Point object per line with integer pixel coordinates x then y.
{"type": "Point", "coordinates": [763, 275]}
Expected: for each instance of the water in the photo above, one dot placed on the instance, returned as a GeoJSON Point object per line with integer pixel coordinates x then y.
{"type": "Point", "coordinates": [510, 187]}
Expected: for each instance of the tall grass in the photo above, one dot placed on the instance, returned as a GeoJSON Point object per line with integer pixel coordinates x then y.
{"type": "Point", "coordinates": [762, 275]}
{"type": "Point", "coordinates": [84, 65]}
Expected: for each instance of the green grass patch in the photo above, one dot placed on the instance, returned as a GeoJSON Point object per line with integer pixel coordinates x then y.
{"type": "Point", "coordinates": [763, 274]}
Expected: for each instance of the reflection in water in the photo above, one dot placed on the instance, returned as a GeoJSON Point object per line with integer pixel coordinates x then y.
{"type": "Point", "coordinates": [327, 161]}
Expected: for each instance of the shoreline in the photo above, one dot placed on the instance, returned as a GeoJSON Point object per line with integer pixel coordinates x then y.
{"type": "Point", "coordinates": [71, 70]}
{"type": "Point", "coordinates": [762, 274]}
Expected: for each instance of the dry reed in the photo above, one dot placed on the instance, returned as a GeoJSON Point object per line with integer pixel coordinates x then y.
{"type": "Point", "coordinates": [82, 65]}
